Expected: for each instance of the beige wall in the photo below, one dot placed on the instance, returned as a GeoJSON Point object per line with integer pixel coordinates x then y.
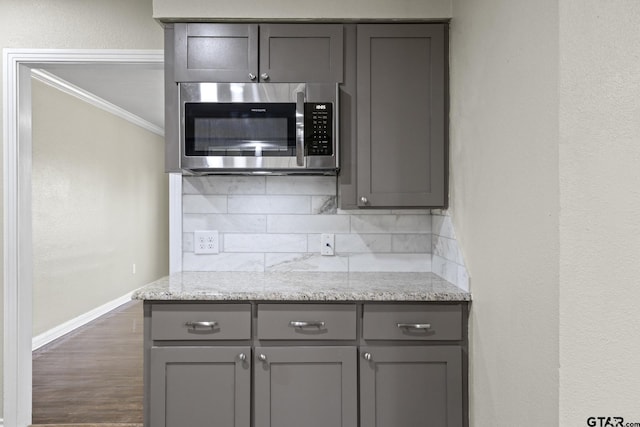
{"type": "Point", "coordinates": [504, 203]}
{"type": "Point", "coordinates": [86, 24]}
{"type": "Point", "coordinates": [100, 205]}
{"type": "Point", "coordinates": [302, 9]}
{"type": "Point", "coordinates": [529, 260]}
{"type": "Point", "coordinates": [71, 24]}
{"type": "Point", "coordinates": [599, 201]}
{"type": "Point", "coordinates": [545, 202]}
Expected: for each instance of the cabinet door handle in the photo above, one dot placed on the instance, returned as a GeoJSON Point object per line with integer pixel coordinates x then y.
{"type": "Point", "coordinates": [367, 356]}
{"type": "Point", "coordinates": [306, 324]}
{"type": "Point", "coordinates": [264, 76]}
{"type": "Point", "coordinates": [242, 357]}
{"type": "Point", "coordinates": [262, 358]}
{"type": "Point", "coordinates": [252, 76]}
{"type": "Point", "coordinates": [364, 200]}
{"type": "Point", "coordinates": [196, 325]}
{"type": "Point", "coordinates": [421, 326]}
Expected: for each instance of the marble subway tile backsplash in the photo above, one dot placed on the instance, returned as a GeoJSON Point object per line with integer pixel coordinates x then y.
{"type": "Point", "coordinates": [269, 204]}
{"type": "Point", "coordinates": [274, 223]}
{"type": "Point", "coordinates": [447, 257]}
{"type": "Point", "coordinates": [308, 224]}
{"type": "Point", "coordinates": [307, 261]}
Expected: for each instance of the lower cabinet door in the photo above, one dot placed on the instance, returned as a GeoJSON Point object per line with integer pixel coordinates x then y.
{"type": "Point", "coordinates": [411, 386]}
{"type": "Point", "coordinates": [305, 386]}
{"type": "Point", "coordinates": [200, 386]}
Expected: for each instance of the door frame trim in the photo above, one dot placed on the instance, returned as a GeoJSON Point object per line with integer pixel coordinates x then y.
{"type": "Point", "coordinates": [18, 259]}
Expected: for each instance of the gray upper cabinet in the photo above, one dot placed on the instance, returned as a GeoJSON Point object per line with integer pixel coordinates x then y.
{"type": "Point", "coordinates": [411, 386]}
{"type": "Point", "coordinates": [401, 115]}
{"type": "Point", "coordinates": [212, 52]}
{"type": "Point", "coordinates": [216, 52]}
{"type": "Point", "coordinates": [301, 53]}
{"type": "Point", "coordinates": [199, 386]}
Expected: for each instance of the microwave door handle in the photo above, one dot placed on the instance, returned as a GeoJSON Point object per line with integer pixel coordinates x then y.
{"type": "Point", "coordinates": [300, 128]}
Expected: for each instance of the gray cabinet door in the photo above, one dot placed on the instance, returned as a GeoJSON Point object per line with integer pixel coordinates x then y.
{"type": "Point", "coordinates": [200, 386]}
{"type": "Point", "coordinates": [401, 83]}
{"type": "Point", "coordinates": [305, 386]}
{"type": "Point", "coordinates": [301, 53]}
{"type": "Point", "coordinates": [411, 386]}
{"type": "Point", "coordinates": [216, 52]}
{"type": "Point", "coordinates": [206, 52]}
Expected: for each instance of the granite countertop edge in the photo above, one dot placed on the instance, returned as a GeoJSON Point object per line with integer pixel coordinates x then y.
{"type": "Point", "coordinates": [301, 286]}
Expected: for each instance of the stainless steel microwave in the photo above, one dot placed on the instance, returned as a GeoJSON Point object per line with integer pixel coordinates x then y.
{"type": "Point", "coordinates": [255, 128]}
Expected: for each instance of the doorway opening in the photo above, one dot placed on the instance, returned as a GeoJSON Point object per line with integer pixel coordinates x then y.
{"type": "Point", "coordinates": [18, 230]}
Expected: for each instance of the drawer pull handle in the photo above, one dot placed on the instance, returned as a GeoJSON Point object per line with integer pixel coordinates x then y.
{"type": "Point", "coordinates": [421, 326]}
{"type": "Point", "coordinates": [196, 325]}
{"type": "Point", "coordinates": [306, 324]}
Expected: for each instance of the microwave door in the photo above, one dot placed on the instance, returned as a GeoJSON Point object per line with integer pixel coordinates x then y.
{"type": "Point", "coordinates": [258, 128]}
{"type": "Point", "coordinates": [244, 136]}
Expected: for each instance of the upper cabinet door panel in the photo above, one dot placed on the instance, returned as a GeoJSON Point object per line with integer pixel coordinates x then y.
{"type": "Point", "coordinates": [216, 52]}
{"type": "Point", "coordinates": [401, 115]}
{"type": "Point", "coordinates": [301, 53]}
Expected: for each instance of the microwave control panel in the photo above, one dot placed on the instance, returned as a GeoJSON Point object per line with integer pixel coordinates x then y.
{"type": "Point", "coordinates": [318, 128]}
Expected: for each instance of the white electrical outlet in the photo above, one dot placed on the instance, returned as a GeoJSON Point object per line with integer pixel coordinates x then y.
{"type": "Point", "coordinates": [206, 242]}
{"type": "Point", "coordinates": [327, 241]}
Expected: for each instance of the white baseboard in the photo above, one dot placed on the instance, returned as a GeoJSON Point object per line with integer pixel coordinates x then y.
{"type": "Point", "coordinates": [83, 319]}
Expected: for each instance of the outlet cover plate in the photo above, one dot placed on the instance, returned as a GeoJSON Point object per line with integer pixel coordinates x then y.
{"type": "Point", "coordinates": [206, 242]}
{"type": "Point", "coordinates": [327, 242]}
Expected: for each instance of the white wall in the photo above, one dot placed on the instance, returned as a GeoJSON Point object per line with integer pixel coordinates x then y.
{"type": "Point", "coordinates": [90, 24]}
{"type": "Point", "coordinates": [599, 201]}
{"type": "Point", "coordinates": [100, 201]}
{"type": "Point", "coordinates": [302, 9]}
{"type": "Point", "coordinates": [504, 203]}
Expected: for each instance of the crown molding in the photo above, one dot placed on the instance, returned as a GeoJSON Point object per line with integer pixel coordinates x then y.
{"type": "Point", "coordinates": [69, 88]}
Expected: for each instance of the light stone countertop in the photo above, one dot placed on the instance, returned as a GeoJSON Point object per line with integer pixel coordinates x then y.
{"type": "Point", "coordinates": [301, 286]}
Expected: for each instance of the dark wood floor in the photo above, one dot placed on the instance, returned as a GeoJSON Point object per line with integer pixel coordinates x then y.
{"type": "Point", "coordinates": [94, 374]}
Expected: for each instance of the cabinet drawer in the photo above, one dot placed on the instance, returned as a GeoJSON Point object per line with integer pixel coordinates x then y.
{"type": "Point", "coordinates": [201, 322]}
{"type": "Point", "coordinates": [412, 322]}
{"type": "Point", "coordinates": [307, 321]}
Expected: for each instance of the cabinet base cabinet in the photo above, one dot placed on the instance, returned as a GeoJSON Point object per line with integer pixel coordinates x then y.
{"type": "Point", "coordinates": [200, 386]}
{"type": "Point", "coordinates": [305, 386]}
{"type": "Point", "coordinates": [264, 364]}
{"type": "Point", "coordinates": [411, 386]}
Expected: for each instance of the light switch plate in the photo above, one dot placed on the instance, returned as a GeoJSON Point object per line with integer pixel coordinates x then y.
{"type": "Point", "coordinates": [206, 242]}
{"type": "Point", "coordinates": [327, 242]}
